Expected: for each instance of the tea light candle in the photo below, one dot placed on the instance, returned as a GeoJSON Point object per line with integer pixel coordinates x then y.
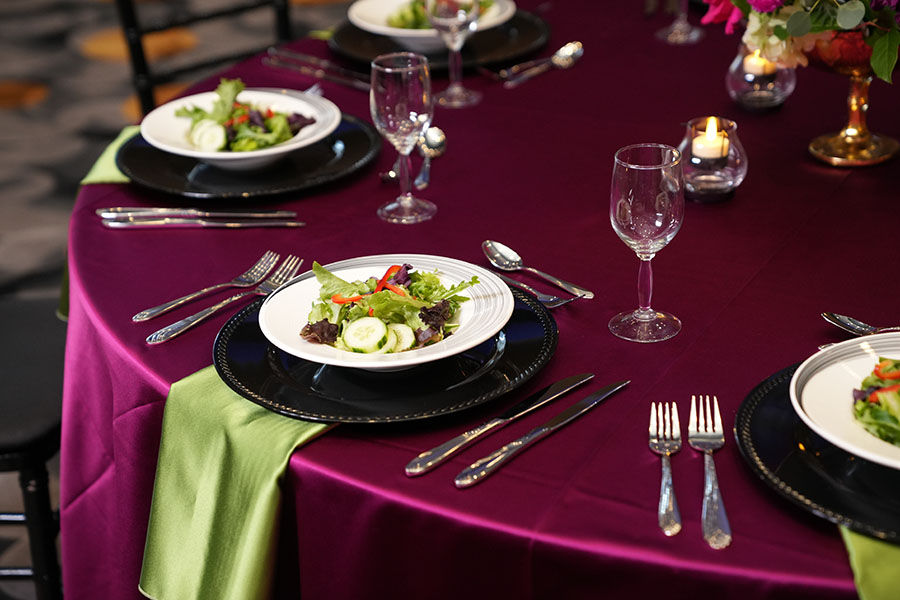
{"type": "Point", "coordinates": [710, 144]}
{"type": "Point", "coordinates": [755, 64]}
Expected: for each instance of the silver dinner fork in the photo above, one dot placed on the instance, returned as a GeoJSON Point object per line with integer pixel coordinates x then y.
{"type": "Point", "coordinates": [285, 272]}
{"type": "Point", "coordinates": [665, 440]}
{"type": "Point", "coordinates": [547, 300]}
{"type": "Point", "coordinates": [250, 277]}
{"type": "Point", "coordinates": [706, 435]}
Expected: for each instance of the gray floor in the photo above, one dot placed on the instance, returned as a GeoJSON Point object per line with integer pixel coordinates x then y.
{"type": "Point", "coordinates": [46, 146]}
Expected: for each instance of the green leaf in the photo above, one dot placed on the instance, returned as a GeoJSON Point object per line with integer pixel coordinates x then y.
{"type": "Point", "coordinates": [823, 17]}
{"type": "Point", "coordinates": [851, 14]}
{"type": "Point", "coordinates": [798, 24]}
{"type": "Point", "coordinates": [781, 33]}
{"type": "Point", "coordinates": [884, 54]}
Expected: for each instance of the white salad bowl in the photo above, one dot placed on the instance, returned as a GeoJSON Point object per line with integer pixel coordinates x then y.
{"type": "Point", "coordinates": [822, 395]}
{"type": "Point", "coordinates": [372, 16]}
{"type": "Point", "coordinates": [163, 130]}
{"type": "Point", "coordinates": [490, 305]}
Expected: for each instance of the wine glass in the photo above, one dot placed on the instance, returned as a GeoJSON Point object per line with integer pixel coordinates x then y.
{"type": "Point", "coordinates": [680, 31]}
{"type": "Point", "coordinates": [454, 20]}
{"type": "Point", "coordinates": [646, 209]}
{"type": "Point", "coordinates": [401, 105]}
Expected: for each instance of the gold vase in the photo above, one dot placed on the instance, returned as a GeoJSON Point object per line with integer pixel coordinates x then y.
{"type": "Point", "coordinates": [847, 53]}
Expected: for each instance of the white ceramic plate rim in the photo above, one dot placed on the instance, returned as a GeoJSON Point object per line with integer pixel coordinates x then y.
{"type": "Point", "coordinates": [821, 394]}
{"type": "Point", "coordinates": [162, 129]}
{"type": "Point", "coordinates": [491, 304]}
{"type": "Point", "coordinates": [371, 16]}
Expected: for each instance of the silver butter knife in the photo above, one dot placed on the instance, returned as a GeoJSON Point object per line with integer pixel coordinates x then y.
{"type": "Point", "coordinates": [481, 469]}
{"type": "Point", "coordinates": [147, 212]}
{"type": "Point", "coordinates": [176, 222]}
{"type": "Point", "coordinates": [432, 458]}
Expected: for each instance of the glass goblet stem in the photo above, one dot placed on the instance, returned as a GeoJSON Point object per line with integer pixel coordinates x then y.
{"type": "Point", "coordinates": [645, 290]}
{"type": "Point", "coordinates": [405, 168]}
{"type": "Point", "coordinates": [455, 65]}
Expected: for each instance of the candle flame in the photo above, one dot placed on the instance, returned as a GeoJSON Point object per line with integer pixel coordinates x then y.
{"type": "Point", "coordinates": [756, 54]}
{"type": "Point", "coordinates": [711, 130]}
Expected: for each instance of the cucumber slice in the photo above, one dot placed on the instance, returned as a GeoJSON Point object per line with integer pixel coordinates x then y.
{"type": "Point", "coordinates": [208, 136]}
{"type": "Point", "coordinates": [365, 335]}
{"type": "Point", "coordinates": [406, 337]}
{"type": "Point", "coordinates": [390, 345]}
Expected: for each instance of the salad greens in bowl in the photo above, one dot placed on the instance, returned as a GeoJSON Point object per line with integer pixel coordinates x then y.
{"type": "Point", "coordinates": [849, 394]}
{"type": "Point", "coordinates": [386, 312]}
{"type": "Point", "coordinates": [401, 21]}
{"type": "Point", "coordinates": [240, 129]}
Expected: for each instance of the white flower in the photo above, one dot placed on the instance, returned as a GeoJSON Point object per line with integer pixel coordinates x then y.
{"type": "Point", "coordinates": [787, 53]}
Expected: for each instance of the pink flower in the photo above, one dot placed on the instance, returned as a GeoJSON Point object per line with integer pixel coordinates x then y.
{"type": "Point", "coordinates": [765, 6]}
{"type": "Point", "coordinates": [722, 11]}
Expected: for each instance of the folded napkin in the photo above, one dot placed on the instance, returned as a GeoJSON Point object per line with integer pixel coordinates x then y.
{"type": "Point", "coordinates": [875, 564]}
{"type": "Point", "coordinates": [105, 169]}
{"type": "Point", "coordinates": [216, 500]}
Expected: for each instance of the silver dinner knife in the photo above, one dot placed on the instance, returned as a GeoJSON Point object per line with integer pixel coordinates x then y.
{"type": "Point", "coordinates": [274, 61]}
{"type": "Point", "coordinates": [147, 212]}
{"type": "Point", "coordinates": [487, 465]}
{"type": "Point", "coordinates": [432, 458]}
{"type": "Point", "coordinates": [176, 222]}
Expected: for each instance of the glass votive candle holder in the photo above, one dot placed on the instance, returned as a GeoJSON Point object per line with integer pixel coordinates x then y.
{"type": "Point", "coordinates": [715, 162]}
{"type": "Point", "coordinates": [758, 84]}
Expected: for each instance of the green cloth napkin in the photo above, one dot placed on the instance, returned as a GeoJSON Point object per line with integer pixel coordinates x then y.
{"type": "Point", "coordinates": [875, 564]}
{"type": "Point", "coordinates": [216, 500]}
{"type": "Point", "coordinates": [105, 169]}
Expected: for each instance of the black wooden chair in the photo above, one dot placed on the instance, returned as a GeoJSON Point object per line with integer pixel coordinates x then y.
{"type": "Point", "coordinates": [30, 409]}
{"type": "Point", "coordinates": [146, 78]}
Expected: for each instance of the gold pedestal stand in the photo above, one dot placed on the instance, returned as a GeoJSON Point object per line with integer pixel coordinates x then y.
{"type": "Point", "coordinates": [855, 145]}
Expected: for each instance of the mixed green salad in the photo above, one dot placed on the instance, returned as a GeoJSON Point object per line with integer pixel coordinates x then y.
{"type": "Point", "coordinates": [412, 15]}
{"type": "Point", "coordinates": [238, 126]}
{"type": "Point", "coordinates": [877, 401]}
{"type": "Point", "coordinates": [398, 310]}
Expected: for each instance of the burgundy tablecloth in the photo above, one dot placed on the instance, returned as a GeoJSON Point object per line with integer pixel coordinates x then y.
{"type": "Point", "coordinates": [576, 516]}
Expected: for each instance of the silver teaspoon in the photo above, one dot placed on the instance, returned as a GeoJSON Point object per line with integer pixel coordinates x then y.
{"type": "Point", "coordinates": [564, 58]}
{"type": "Point", "coordinates": [432, 144]}
{"type": "Point", "coordinates": [855, 326]}
{"type": "Point", "coordinates": [506, 259]}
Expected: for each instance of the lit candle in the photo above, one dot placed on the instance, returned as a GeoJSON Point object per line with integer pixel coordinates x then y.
{"type": "Point", "coordinates": [755, 64]}
{"type": "Point", "coordinates": [710, 144]}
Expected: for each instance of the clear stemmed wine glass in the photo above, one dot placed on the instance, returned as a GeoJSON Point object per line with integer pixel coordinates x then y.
{"type": "Point", "coordinates": [401, 105]}
{"type": "Point", "coordinates": [454, 20]}
{"type": "Point", "coordinates": [646, 210]}
{"type": "Point", "coordinates": [680, 31]}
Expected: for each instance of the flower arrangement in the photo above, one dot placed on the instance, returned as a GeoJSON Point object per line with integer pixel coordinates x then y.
{"type": "Point", "coordinates": [784, 30]}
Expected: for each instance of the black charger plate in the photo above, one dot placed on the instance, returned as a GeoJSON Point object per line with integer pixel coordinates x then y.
{"type": "Point", "coordinates": [522, 35]}
{"type": "Point", "coordinates": [297, 388]}
{"type": "Point", "coordinates": [810, 472]}
{"type": "Point", "coordinates": [347, 149]}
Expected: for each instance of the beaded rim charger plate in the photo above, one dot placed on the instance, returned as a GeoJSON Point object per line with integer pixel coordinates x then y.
{"type": "Point", "coordinates": [286, 384]}
{"type": "Point", "coordinates": [810, 472]}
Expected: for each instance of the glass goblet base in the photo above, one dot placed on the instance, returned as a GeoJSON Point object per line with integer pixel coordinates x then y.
{"type": "Point", "coordinates": [644, 326]}
{"type": "Point", "coordinates": [680, 33]}
{"type": "Point", "coordinates": [458, 97]}
{"type": "Point", "coordinates": [407, 209]}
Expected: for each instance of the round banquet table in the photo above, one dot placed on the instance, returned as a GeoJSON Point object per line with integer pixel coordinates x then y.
{"type": "Point", "coordinates": [574, 517]}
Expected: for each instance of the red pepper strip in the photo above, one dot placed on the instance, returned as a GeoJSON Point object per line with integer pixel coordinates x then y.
{"type": "Point", "coordinates": [873, 397]}
{"type": "Point", "coordinates": [238, 119]}
{"type": "Point", "coordinates": [270, 113]}
{"type": "Point", "coordinates": [338, 299]}
{"type": "Point", "coordinates": [396, 289]}
{"type": "Point", "coordinates": [880, 373]}
{"type": "Point", "coordinates": [371, 312]}
{"type": "Point", "coordinates": [390, 272]}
